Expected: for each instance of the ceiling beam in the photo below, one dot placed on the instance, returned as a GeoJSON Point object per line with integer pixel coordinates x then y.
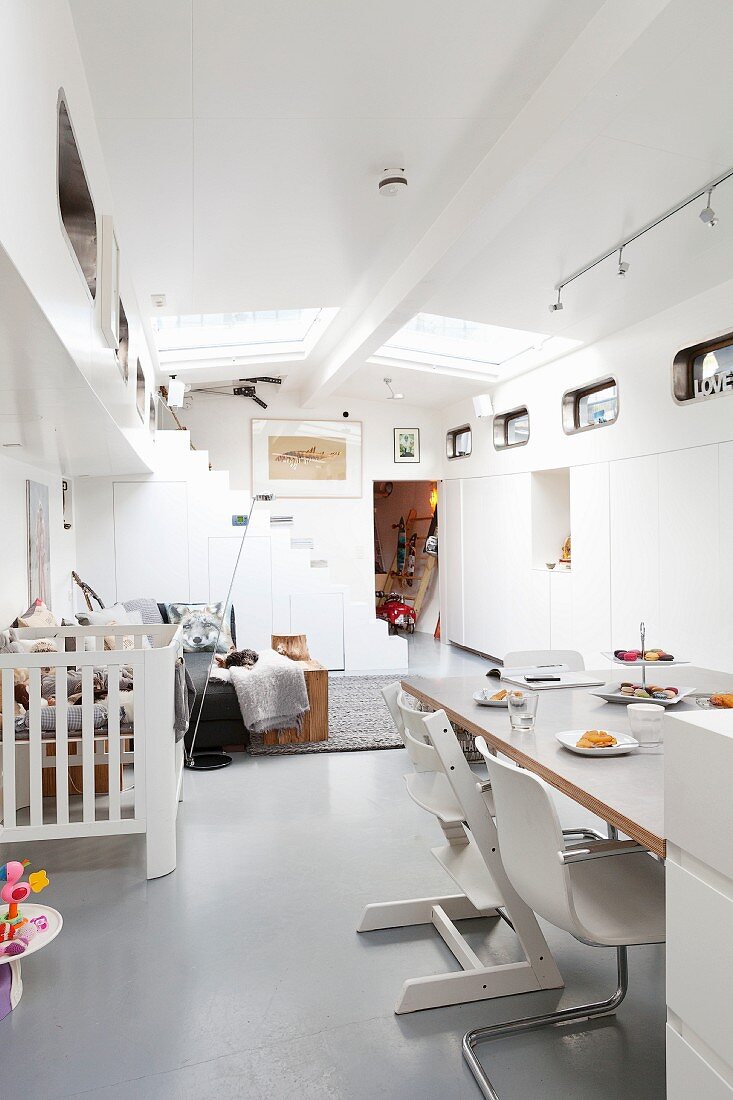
{"type": "Point", "coordinates": [558, 121]}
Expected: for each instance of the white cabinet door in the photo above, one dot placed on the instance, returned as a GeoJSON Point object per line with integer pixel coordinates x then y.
{"type": "Point", "coordinates": [484, 589]}
{"type": "Point", "coordinates": [689, 564]}
{"type": "Point", "coordinates": [321, 619]}
{"type": "Point", "coordinates": [151, 540]}
{"type": "Point", "coordinates": [562, 627]}
{"type": "Point", "coordinates": [724, 658]}
{"type": "Point", "coordinates": [591, 552]}
{"type": "Point", "coordinates": [252, 587]}
{"type": "Point", "coordinates": [450, 562]}
{"type": "Point", "coordinates": [634, 493]}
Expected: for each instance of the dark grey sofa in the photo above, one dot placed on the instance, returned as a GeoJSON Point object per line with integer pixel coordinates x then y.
{"type": "Point", "coordinates": [221, 720]}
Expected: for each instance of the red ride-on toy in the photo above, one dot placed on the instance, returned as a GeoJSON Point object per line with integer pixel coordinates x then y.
{"type": "Point", "coordinates": [398, 614]}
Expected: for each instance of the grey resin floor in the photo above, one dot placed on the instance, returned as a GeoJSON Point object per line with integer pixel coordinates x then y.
{"type": "Point", "coordinates": [240, 975]}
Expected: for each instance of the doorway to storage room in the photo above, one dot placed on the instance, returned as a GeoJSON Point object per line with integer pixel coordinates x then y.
{"type": "Point", "coordinates": [405, 556]}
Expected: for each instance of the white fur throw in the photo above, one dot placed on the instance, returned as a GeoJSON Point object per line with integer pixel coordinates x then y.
{"type": "Point", "coordinates": [272, 694]}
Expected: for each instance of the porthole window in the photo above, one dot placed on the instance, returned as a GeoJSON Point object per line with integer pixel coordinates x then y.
{"type": "Point", "coordinates": [511, 429]}
{"type": "Point", "coordinates": [590, 407]}
{"type": "Point", "coordinates": [458, 442]}
{"type": "Point", "coordinates": [76, 208]}
{"type": "Point", "coordinates": [703, 370]}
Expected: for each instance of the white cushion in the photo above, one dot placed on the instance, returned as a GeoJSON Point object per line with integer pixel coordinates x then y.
{"type": "Point", "coordinates": [115, 614]}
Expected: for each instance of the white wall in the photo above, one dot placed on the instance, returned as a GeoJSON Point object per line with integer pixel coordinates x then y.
{"type": "Point", "coordinates": [649, 500]}
{"type": "Point", "coordinates": [343, 529]}
{"type": "Point", "coordinates": [14, 571]}
{"type": "Point", "coordinates": [39, 55]}
{"type": "Point", "coordinates": [640, 358]}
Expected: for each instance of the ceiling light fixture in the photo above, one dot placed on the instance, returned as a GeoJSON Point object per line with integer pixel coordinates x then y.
{"type": "Point", "coordinates": [392, 395]}
{"type": "Point", "coordinates": [623, 267]}
{"type": "Point", "coordinates": [393, 182]}
{"type": "Point", "coordinates": [558, 304]}
{"type": "Point", "coordinates": [708, 216]}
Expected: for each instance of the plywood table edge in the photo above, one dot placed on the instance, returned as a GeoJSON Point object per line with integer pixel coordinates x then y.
{"type": "Point", "coordinates": [650, 840]}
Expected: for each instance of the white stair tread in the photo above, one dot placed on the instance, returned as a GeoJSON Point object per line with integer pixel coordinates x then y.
{"type": "Point", "coordinates": [432, 792]}
{"type": "Point", "coordinates": [466, 867]}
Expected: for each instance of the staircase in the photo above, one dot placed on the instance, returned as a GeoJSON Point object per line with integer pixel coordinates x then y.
{"type": "Point", "coordinates": [299, 567]}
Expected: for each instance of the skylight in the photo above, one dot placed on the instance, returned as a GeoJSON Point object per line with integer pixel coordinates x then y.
{"type": "Point", "coordinates": [452, 345]}
{"type": "Point", "coordinates": [430, 338]}
{"type": "Point", "coordinates": [262, 336]}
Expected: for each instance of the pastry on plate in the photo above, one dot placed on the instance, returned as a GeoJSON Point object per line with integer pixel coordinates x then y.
{"type": "Point", "coordinates": [499, 696]}
{"type": "Point", "coordinates": [725, 701]}
{"type": "Point", "coordinates": [596, 739]}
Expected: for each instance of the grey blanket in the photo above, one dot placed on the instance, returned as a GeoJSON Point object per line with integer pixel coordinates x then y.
{"type": "Point", "coordinates": [272, 695]}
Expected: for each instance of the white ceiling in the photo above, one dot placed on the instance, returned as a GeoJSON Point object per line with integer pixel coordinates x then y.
{"type": "Point", "coordinates": [244, 142]}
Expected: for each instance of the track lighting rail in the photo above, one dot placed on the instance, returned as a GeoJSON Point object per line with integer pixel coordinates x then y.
{"type": "Point", "coordinates": [705, 190]}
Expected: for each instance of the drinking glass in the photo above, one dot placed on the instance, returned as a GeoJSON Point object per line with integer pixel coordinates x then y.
{"type": "Point", "coordinates": [522, 709]}
{"type": "Point", "coordinates": [645, 722]}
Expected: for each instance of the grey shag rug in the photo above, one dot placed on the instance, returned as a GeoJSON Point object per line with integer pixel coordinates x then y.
{"type": "Point", "coordinates": [358, 719]}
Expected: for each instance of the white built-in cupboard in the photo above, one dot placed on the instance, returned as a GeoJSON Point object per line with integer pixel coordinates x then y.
{"type": "Point", "coordinates": [652, 537]}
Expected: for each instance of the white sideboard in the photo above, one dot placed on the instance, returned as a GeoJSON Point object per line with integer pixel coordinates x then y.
{"type": "Point", "coordinates": [698, 767]}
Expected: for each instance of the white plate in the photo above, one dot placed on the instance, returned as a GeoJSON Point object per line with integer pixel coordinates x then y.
{"type": "Point", "coordinates": [611, 694]}
{"type": "Point", "coordinates": [626, 743]}
{"type": "Point", "coordinates": [649, 664]}
{"type": "Point", "coordinates": [482, 702]}
{"type": "Point", "coordinates": [55, 921]}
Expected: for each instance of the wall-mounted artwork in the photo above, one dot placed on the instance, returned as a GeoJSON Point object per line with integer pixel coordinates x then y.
{"type": "Point", "coordinates": [407, 444]}
{"type": "Point", "coordinates": [306, 458]}
{"type": "Point", "coordinates": [39, 543]}
{"type": "Point", "coordinates": [140, 391]}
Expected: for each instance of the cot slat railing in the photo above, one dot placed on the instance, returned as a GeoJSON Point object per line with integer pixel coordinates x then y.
{"type": "Point", "coordinates": [8, 748]}
{"type": "Point", "coordinates": [113, 729]}
{"type": "Point", "coordinates": [87, 742]}
{"type": "Point", "coordinates": [34, 745]}
{"type": "Point", "coordinates": [62, 746]}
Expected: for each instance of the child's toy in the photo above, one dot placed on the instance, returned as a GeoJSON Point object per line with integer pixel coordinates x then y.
{"type": "Point", "coordinates": [16, 930]}
{"type": "Point", "coordinates": [22, 930]}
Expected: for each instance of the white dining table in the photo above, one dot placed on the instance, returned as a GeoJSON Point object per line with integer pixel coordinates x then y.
{"type": "Point", "coordinates": [625, 791]}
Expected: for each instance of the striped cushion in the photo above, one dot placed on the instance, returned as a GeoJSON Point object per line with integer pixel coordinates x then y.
{"type": "Point", "coordinates": [148, 609]}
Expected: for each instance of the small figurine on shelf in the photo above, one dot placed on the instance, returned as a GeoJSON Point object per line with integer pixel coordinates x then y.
{"type": "Point", "coordinates": [565, 553]}
{"type": "Point", "coordinates": [16, 930]}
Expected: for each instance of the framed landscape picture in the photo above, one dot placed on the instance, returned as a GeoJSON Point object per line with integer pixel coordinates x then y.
{"type": "Point", "coordinates": [39, 543]}
{"type": "Point", "coordinates": [407, 444]}
{"type": "Point", "coordinates": [307, 458]}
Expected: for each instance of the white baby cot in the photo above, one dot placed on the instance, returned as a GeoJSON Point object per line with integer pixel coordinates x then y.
{"type": "Point", "coordinates": [143, 760]}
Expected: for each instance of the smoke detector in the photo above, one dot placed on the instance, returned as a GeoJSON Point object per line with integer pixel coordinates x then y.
{"type": "Point", "coordinates": [393, 181]}
{"type": "Point", "coordinates": [158, 300]}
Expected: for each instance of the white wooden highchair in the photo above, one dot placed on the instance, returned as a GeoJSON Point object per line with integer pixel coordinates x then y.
{"type": "Point", "coordinates": [443, 784]}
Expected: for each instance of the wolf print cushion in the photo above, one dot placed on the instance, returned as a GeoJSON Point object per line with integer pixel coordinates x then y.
{"type": "Point", "coordinates": [201, 623]}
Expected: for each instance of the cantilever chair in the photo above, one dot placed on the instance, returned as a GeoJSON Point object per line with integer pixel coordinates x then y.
{"type": "Point", "coordinates": [444, 785]}
{"type": "Point", "coordinates": [606, 893]}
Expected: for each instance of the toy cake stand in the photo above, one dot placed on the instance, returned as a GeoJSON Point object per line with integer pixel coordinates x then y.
{"type": "Point", "coordinates": [11, 983]}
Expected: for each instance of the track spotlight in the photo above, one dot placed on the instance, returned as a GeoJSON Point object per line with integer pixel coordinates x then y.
{"type": "Point", "coordinates": [708, 216]}
{"type": "Point", "coordinates": [392, 395]}
{"type": "Point", "coordinates": [558, 304]}
{"type": "Point", "coordinates": [623, 267]}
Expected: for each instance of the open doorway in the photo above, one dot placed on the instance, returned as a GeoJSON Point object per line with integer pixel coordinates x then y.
{"type": "Point", "coordinates": [405, 555]}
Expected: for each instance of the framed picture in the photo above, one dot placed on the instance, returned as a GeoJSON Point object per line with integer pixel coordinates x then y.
{"type": "Point", "coordinates": [407, 444]}
{"type": "Point", "coordinates": [109, 310]}
{"type": "Point", "coordinates": [39, 543]}
{"type": "Point", "coordinates": [307, 458]}
{"type": "Point", "coordinates": [140, 391]}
